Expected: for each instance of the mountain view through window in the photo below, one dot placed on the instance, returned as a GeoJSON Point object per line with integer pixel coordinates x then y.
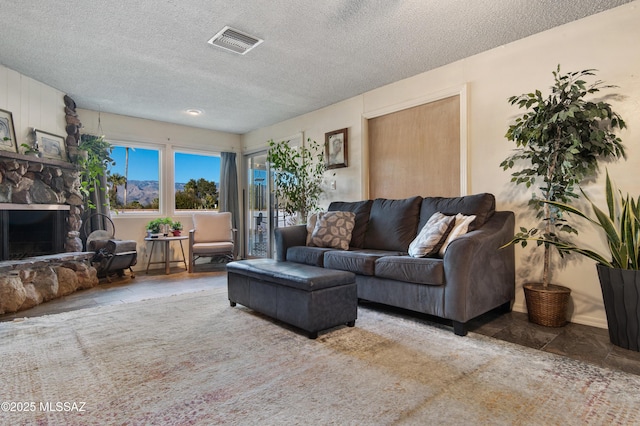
{"type": "Point", "coordinates": [133, 182]}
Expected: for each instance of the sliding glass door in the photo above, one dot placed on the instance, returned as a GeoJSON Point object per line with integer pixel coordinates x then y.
{"type": "Point", "coordinates": [261, 208]}
{"type": "Point", "coordinates": [258, 211]}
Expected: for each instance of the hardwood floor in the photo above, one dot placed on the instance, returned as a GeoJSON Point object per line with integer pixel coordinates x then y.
{"type": "Point", "coordinates": [584, 343]}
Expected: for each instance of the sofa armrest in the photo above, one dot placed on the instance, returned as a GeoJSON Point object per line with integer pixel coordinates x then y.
{"type": "Point", "coordinates": [289, 236]}
{"type": "Point", "coordinates": [479, 274]}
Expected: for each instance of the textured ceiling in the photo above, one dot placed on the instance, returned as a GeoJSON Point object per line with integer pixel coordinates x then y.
{"type": "Point", "coordinates": [150, 58]}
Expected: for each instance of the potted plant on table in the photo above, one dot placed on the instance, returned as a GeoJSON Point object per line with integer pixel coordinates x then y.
{"type": "Point", "coordinates": [153, 228]}
{"type": "Point", "coordinates": [176, 228]}
{"type": "Point", "coordinates": [298, 174]}
{"type": "Point", "coordinates": [618, 271]}
{"type": "Point", "coordinates": [560, 139]}
{"type": "Point", "coordinates": [159, 226]}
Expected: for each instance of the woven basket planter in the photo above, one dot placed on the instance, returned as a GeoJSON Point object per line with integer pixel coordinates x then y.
{"type": "Point", "coordinates": [547, 306]}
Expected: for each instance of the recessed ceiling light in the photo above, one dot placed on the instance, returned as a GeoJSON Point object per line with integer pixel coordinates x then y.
{"type": "Point", "coordinates": [194, 111]}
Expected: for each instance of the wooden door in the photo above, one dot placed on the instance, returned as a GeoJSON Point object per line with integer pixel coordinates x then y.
{"type": "Point", "coordinates": [416, 151]}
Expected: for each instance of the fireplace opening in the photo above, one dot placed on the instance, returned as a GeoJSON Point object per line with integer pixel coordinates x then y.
{"type": "Point", "coordinates": [27, 233]}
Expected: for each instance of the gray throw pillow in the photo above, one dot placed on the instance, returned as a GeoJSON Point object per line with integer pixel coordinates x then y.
{"type": "Point", "coordinates": [461, 226]}
{"type": "Point", "coordinates": [431, 236]}
{"type": "Point", "coordinates": [333, 230]}
{"type": "Point", "coordinates": [311, 225]}
{"type": "Point", "coordinates": [362, 210]}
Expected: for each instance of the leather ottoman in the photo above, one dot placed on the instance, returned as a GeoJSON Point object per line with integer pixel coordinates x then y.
{"type": "Point", "coordinates": [307, 297]}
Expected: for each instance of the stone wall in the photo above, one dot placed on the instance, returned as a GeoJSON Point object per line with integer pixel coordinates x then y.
{"type": "Point", "coordinates": [30, 179]}
{"type": "Point", "coordinates": [29, 282]}
{"type": "Point", "coordinates": [26, 179]}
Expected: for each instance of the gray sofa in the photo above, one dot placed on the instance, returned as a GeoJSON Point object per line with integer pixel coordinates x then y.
{"type": "Point", "coordinates": [474, 276]}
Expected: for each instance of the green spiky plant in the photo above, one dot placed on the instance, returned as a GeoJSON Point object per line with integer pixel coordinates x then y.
{"type": "Point", "coordinates": [620, 225]}
{"type": "Point", "coordinates": [560, 139]}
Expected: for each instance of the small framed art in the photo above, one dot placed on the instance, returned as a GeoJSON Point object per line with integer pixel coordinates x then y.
{"type": "Point", "coordinates": [7, 132]}
{"type": "Point", "coordinates": [50, 145]}
{"type": "Point", "coordinates": [335, 149]}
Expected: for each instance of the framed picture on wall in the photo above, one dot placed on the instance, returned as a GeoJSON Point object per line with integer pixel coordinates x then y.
{"type": "Point", "coordinates": [50, 145]}
{"type": "Point", "coordinates": [335, 149]}
{"type": "Point", "coordinates": [7, 132]}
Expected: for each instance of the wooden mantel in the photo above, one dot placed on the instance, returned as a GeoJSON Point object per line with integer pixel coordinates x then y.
{"type": "Point", "coordinates": [36, 159]}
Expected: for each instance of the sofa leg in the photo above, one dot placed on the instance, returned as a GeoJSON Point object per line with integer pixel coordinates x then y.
{"type": "Point", "coordinates": [351, 324]}
{"type": "Point", "coordinates": [505, 308]}
{"type": "Point", "coordinates": [313, 335]}
{"type": "Point", "coordinates": [459, 328]}
{"type": "Point", "coordinates": [232, 303]}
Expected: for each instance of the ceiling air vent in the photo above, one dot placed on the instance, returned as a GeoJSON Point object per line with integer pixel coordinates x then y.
{"type": "Point", "coordinates": [234, 40]}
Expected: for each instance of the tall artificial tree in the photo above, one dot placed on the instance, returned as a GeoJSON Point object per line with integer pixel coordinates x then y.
{"type": "Point", "coordinates": [560, 139]}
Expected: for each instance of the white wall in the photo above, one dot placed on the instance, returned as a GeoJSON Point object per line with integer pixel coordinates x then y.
{"type": "Point", "coordinates": [36, 105]}
{"type": "Point", "coordinates": [32, 105]}
{"type": "Point", "coordinates": [166, 137]}
{"type": "Point", "coordinates": [606, 41]}
{"type": "Point", "coordinates": [314, 126]}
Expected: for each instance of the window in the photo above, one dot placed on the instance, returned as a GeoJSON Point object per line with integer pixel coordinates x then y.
{"type": "Point", "coordinates": [196, 181]}
{"type": "Point", "coordinates": [134, 179]}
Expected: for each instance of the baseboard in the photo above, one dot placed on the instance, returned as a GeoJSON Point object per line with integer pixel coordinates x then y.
{"type": "Point", "coordinates": [578, 319]}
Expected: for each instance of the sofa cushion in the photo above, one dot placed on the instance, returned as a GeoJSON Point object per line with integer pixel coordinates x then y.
{"type": "Point", "coordinates": [431, 236]}
{"type": "Point", "coordinates": [393, 224]}
{"type": "Point", "coordinates": [361, 262]}
{"type": "Point", "coordinates": [307, 255]}
{"type": "Point", "coordinates": [333, 230]}
{"type": "Point", "coordinates": [410, 269]}
{"type": "Point", "coordinates": [460, 228]}
{"type": "Point", "coordinates": [362, 210]}
{"type": "Point", "coordinates": [481, 205]}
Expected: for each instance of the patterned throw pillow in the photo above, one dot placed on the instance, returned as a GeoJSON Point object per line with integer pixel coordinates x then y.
{"type": "Point", "coordinates": [312, 218]}
{"type": "Point", "coordinates": [459, 229]}
{"type": "Point", "coordinates": [333, 230]}
{"type": "Point", "coordinates": [431, 236]}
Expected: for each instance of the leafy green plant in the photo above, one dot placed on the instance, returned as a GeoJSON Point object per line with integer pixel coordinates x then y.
{"type": "Point", "coordinates": [94, 165]}
{"type": "Point", "coordinates": [621, 227]}
{"type": "Point", "coordinates": [560, 139]}
{"type": "Point", "coordinates": [28, 149]}
{"type": "Point", "coordinates": [176, 226]}
{"type": "Point", "coordinates": [155, 224]}
{"type": "Point", "coordinates": [298, 174]}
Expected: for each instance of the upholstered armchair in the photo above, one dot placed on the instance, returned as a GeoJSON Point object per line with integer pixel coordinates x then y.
{"type": "Point", "coordinates": [212, 236]}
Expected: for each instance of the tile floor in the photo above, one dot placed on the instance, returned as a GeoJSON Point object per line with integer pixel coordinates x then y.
{"type": "Point", "coordinates": [577, 341]}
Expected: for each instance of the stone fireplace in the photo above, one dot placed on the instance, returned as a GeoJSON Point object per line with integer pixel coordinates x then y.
{"type": "Point", "coordinates": [41, 254]}
{"type": "Point", "coordinates": [35, 194]}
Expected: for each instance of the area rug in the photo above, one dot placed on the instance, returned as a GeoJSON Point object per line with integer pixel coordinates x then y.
{"type": "Point", "coordinates": [193, 359]}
